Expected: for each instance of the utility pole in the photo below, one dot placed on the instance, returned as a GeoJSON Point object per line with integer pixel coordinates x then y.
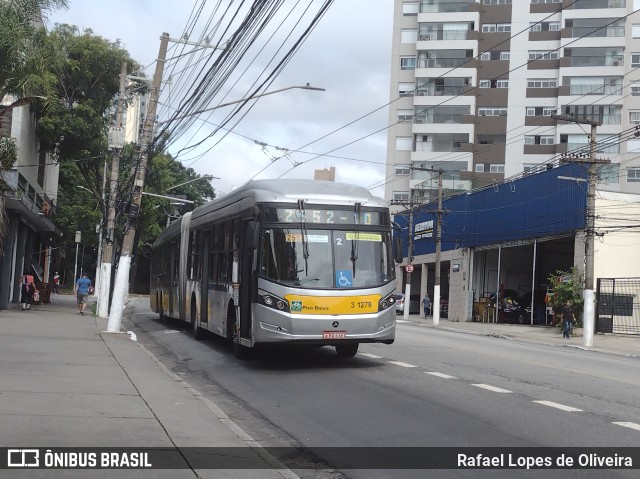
{"type": "Point", "coordinates": [435, 304]}
{"type": "Point", "coordinates": [436, 285]}
{"type": "Point", "coordinates": [588, 295]}
{"type": "Point", "coordinates": [116, 141]}
{"type": "Point", "coordinates": [122, 276]}
{"type": "Point", "coordinates": [409, 267]}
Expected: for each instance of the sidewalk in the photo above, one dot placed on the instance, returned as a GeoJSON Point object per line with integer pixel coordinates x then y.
{"type": "Point", "coordinates": [627, 345]}
{"type": "Point", "coordinates": [65, 383]}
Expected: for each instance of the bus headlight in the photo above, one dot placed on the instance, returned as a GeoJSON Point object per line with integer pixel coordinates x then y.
{"type": "Point", "coordinates": [273, 301]}
{"type": "Point", "coordinates": [387, 302]}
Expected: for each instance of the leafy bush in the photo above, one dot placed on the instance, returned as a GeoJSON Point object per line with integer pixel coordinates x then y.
{"type": "Point", "coordinates": [568, 286]}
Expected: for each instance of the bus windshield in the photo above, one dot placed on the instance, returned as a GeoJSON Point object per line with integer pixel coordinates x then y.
{"type": "Point", "coordinates": [321, 258]}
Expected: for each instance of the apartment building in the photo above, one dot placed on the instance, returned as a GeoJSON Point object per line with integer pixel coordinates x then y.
{"type": "Point", "coordinates": [474, 84]}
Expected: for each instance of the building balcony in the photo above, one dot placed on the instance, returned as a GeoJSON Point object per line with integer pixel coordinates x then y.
{"type": "Point", "coordinates": [543, 65]}
{"type": "Point", "coordinates": [449, 7]}
{"type": "Point", "coordinates": [595, 89]}
{"type": "Point", "coordinates": [593, 32]}
{"type": "Point", "coordinates": [544, 36]}
{"type": "Point", "coordinates": [447, 35]}
{"type": "Point", "coordinates": [539, 121]}
{"type": "Point", "coordinates": [539, 149]}
{"type": "Point", "coordinates": [542, 92]}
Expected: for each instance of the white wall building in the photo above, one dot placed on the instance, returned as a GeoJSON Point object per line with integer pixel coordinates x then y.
{"type": "Point", "coordinates": [474, 82]}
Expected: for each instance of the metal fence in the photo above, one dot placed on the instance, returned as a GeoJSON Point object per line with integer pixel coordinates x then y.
{"type": "Point", "coordinates": [618, 305]}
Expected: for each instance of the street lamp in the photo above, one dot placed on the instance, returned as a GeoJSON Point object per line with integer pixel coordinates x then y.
{"type": "Point", "coordinates": [301, 87]}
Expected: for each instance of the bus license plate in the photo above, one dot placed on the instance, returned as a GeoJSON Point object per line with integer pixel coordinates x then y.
{"type": "Point", "coordinates": [334, 334]}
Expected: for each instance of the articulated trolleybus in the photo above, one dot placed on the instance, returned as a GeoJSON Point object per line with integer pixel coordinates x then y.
{"type": "Point", "coordinates": [281, 261]}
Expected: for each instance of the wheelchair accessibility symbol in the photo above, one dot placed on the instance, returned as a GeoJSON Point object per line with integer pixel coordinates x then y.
{"type": "Point", "coordinates": [344, 278]}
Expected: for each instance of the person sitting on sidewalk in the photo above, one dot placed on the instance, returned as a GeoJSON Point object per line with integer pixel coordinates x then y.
{"type": "Point", "coordinates": [82, 292]}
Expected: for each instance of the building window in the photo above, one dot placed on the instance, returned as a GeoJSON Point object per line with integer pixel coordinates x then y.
{"type": "Point", "coordinates": [542, 83]}
{"type": "Point", "coordinates": [546, 1]}
{"type": "Point", "coordinates": [540, 110]}
{"type": "Point", "coordinates": [408, 63]}
{"type": "Point", "coordinates": [492, 111]}
{"type": "Point", "coordinates": [496, 27]}
{"type": "Point", "coordinates": [480, 168]}
{"type": "Point", "coordinates": [400, 196]}
{"type": "Point", "coordinates": [544, 26]}
{"type": "Point", "coordinates": [410, 9]}
{"type": "Point", "coordinates": [405, 115]}
{"type": "Point", "coordinates": [404, 143]}
{"type": "Point", "coordinates": [505, 55]}
{"type": "Point", "coordinates": [635, 30]}
{"type": "Point", "coordinates": [543, 54]}
{"type": "Point", "coordinates": [635, 60]}
{"type": "Point", "coordinates": [609, 173]}
{"type": "Point", "coordinates": [635, 89]}
{"type": "Point", "coordinates": [634, 117]}
{"type": "Point", "coordinates": [403, 170]}
{"type": "Point", "coordinates": [409, 35]}
{"type": "Point", "coordinates": [633, 175]}
{"type": "Point", "coordinates": [538, 140]}
{"type": "Point", "coordinates": [493, 168]}
{"type": "Point", "coordinates": [406, 89]}
{"type": "Point", "coordinates": [496, 2]}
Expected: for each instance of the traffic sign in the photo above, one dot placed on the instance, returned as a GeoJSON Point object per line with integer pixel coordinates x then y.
{"type": "Point", "coordinates": [409, 268]}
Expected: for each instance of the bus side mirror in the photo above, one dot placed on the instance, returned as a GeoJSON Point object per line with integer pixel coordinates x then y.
{"type": "Point", "coordinates": [397, 250]}
{"type": "Point", "coordinates": [253, 230]}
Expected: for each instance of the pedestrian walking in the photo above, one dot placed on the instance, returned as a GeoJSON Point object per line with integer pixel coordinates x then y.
{"type": "Point", "coordinates": [426, 304]}
{"type": "Point", "coordinates": [81, 291]}
{"type": "Point", "coordinates": [567, 320]}
{"type": "Point", "coordinates": [56, 283]}
{"type": "Point", "coordinates": [27, 290]}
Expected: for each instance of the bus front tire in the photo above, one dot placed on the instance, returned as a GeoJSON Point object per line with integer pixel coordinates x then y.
{"type": "Point", "coordinates": [347, 350]}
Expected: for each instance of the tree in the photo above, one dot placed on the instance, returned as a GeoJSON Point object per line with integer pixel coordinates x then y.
{"type": "Point", "coordinates": [77, 118]}
{"type": "Point", "coordinates": [568, 286]}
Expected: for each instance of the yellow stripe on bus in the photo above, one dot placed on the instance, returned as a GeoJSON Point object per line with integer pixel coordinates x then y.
{"type": "Point", "coordinates": [333, 304]}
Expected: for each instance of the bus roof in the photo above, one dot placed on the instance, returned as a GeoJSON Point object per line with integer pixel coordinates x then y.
{"type": "Point", "coordinates": [290, 191]}
{"type": "Point", "coordinates": [277, 191]}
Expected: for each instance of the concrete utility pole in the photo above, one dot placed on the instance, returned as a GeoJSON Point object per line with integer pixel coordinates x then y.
{"type": "Point", "coordinates": [435, 304]}
{"type": "Point", "coordinates": [436, 285]}
{"type": "Point", "coordinates": [116, 140]}
{"type": "Point", "coordinates": [589, 296]}
{"type": "Point", "coordinates": [409, 268]}
{"type": "Point", "coordinates": [124, 266]}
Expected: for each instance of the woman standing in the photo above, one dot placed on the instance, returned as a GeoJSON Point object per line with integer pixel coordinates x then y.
{"type": "Point", "coordinates": [27, 288]}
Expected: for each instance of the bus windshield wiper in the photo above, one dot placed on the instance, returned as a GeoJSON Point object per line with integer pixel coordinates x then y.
{"type": "Point", "coordinates": [354, 241]}
{"type": "Point", "coordinates": [303, 230]}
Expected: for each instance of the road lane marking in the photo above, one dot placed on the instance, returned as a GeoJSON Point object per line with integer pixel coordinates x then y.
{"type": "Point", "coordinates": [440, 375]}
{"type": "Point", "coordinates": [558, 406]}
{"type": "Point", "coordinates": [402, 321]}
{"type": "Point", "coordinates": [631, 425]}
{"type": "Point", "coordinates": [404, 365]}
{"type": "Point", "coordinates": [372, 356]}
{"type": "Point", "coordinates": [492, 388]}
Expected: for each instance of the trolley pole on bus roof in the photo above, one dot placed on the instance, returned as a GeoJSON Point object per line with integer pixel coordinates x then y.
{"type": "Point", "coordinates": [121, 286]}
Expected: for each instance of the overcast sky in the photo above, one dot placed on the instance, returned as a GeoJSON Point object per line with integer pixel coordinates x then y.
{"type": "Point", "coordinates": [348, 54]}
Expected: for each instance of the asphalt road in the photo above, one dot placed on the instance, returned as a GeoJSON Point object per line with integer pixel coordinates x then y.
{"type": "Point", "coordinates": [431, 388]}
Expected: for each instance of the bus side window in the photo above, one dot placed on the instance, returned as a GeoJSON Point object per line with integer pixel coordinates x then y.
{"type": "Point", "coordinates": [223, 263]}
{"type": "Point", "coordinates": [213, 254]}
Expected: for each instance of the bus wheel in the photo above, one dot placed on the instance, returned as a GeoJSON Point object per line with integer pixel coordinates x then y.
{"type": "Point", "coordinates": [347, 350]}
{"type": "Point", "coordinates": [197, 332]}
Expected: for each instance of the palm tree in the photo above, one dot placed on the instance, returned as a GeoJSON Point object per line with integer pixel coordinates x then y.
{"type": "Point", "coordinates": [23, 72]}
